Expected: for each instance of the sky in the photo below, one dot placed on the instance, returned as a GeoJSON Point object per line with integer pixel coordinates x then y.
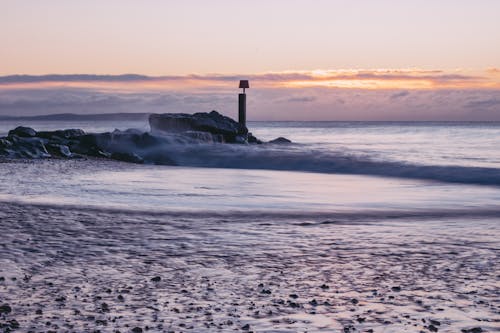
{"type": "Point", "coordinates": [306, 60]}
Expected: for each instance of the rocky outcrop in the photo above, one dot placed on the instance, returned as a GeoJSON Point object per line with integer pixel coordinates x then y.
{"type": "Point", "coordinates": [25, 142]}
{"type": "Point", "coordinates": [167, 130]}
{"type": "Point", "coordinates": [221, 128]}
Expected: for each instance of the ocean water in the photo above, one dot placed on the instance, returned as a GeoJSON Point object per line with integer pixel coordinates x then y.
{"type": "Point", "coordinates": [388, 227]}
{"type": "Point", "coordinates": [331, 166]}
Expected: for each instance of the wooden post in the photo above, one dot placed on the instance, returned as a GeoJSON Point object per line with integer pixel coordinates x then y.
{"type": "Point", "coordinates": [242, 109]}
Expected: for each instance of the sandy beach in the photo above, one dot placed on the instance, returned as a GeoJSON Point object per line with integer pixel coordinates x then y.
{"type": "Point", "coordinates": [87, 270]}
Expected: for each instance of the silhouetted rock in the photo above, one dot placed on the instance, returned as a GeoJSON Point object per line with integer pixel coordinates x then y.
{"type": "Point", "coordinates": [58, 150]}
{"type": "Point", "coordinates": [24, 147]}
{"type": "Point", "coordinates": [213, 123]}
{"type": "Point", "coordinates": [24, 132]}
{"type": "Point", "coordinates": [280, 140]}
{"type": "Point", "coordinates": [62, 134]}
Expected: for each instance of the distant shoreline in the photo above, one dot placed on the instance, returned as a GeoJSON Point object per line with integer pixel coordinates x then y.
{"type": "Point", "coordinates": [136, 116]}
{"type": "Point", "coordinates": [80, 117]}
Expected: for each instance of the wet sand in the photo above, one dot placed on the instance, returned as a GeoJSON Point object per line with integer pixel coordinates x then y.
{"type": "Point", "coordinates": [81, 270]}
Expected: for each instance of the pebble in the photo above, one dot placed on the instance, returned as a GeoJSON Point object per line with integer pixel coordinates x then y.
{"type": "Point", "coordinates": [5, 309]}
{"type": "Point", "coordinates": [156, 279]}
{"type": "Point", "coordinates": [473, 330]}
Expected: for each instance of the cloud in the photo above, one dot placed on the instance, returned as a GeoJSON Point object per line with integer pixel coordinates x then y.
{"type": "Point", "coordinates": [493, 70]}
{"type": "Point", "coordinates": [400, 94]}
{"type": "Point", "coordinates": [484, 103]}
{"type": "Point", "coordinates": [272, 98]}
{"type": "Point", "coordinates": [368, 79]}
{"type": "Point", "coordinates": [303, 99]}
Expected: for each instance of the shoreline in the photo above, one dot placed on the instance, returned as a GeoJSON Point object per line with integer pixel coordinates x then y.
{"type": "Point", "coordinates": [97, 270]}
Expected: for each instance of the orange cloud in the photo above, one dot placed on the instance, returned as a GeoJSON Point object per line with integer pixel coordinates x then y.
{"type": "Point", "coordinates": [412, 79]}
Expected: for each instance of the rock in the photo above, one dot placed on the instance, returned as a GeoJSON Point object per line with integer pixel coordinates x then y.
{"type": "Point", "coordinates": [127, 157]}
{"type": "Point", "coordinates": [5, 308]}
{"type": "Point", "coordinates": [253, 139]}
{"type": "Point", "coordinates": [137, 330]}
{"type": "Point", "coordinates": [104, 307]}
{"type": "Point", "coordinates": [4, 143]}
{"type": "Point", "coordinates": [314, 302]}
{"type": "Point", "coordinates": [396, 289]}
{"type": "Point", "coordinates": [88, 145]}
{"type": "Point", "coordinates": [432, 328]}
{"type": "Point", "coordinates": [435, 322]}
{"type": "Point", "coordinates": [23, 132]}
{"type": "Point", "coordinates": [473, 330]}
{"type": "Point", "coordinates": [59, 150]}
{"type": "Point", "coordinates": [25, 147]}
{"type": "Point", "coordinates": [72, 133]}
{"type": "Point", "coordinates": [324, 287]}
{"type": "Point", "coordinates": [294, 296]}
{"type": "Point", "coordinates": [156, 279]}
{"type": "Point", "coordinates": [246, 327]}
{"type": "Point", "coordinates": [212, 122]}
{"type": "Point", "coordinates": [354, 301]}
{"type": "Point", "coordinates": [280, 140]}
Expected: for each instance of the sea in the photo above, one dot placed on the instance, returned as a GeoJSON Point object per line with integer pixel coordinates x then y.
{"type": "Point", "coordinates": [388, 226]}
{"type": "Point", "coordinates": [329, 167]}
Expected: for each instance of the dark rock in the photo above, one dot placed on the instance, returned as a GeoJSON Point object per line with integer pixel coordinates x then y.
{"type": "Point", "coordinates": [473, 330]}
{"type": "Point", "coordinates": [280, 140]}
{"type": "Point", "coordinates": [13, 324]}
{"type": "Point", "coordinates": [25, 147]}
{"type": "Point", "coordinates": [137, 330]}
{"type": "Point", "coordinates": [354, 301]}
{"type": "Point", "coordinates": [156, 279]}
{"type": "Point", "coordinates": [4, 143]}
{"type": "Point", "coordinates": [89, 144]}
{"type": "Point", "coordinates": [58, 150]}
{"type": "Point", "coordinates": [435, 322]}
{"type": "Point", "coordinates": [294, 296]}
{"type": "Point", "coordinates": [5, 308]}
{"type": "Point", "coordinates": [212, 122]}
{"type": "Point", "coordinates": [104, 307]}
{"type": "Point", "coordinates": [253, 139]}
{"type": "Point", "coordinates": [314, 302]}
{"type": "Point", "coordinates": [39, 312]}
{"type": "Point", "coordinates": [246, 327]}
{"type": "Point", "coordinates": [23, 132]}
{"type": "Point", "coordinates": [432, 328]}
{"type": "Point", "coordinates": [324, 287]}
{"type": "Point", "coordinates": [127, 157]}
{"type": "Point", "coordinates": [396, 289]}
{"type": "Point", "coordinates": [61, 134]}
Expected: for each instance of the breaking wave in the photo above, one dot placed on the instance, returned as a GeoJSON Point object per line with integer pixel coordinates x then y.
{"type": "Point", "coordinates": [306, 158]}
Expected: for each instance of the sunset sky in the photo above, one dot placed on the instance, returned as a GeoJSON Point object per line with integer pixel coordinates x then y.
{"type": "Point", "coordinates": [306, 60]}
